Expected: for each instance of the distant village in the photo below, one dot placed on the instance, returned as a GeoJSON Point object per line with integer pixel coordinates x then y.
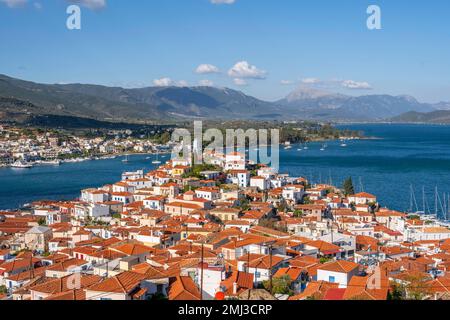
{"type": "Point", "coordinates": [226, 230]}
{"type": "Point", "coordinates": [24, 148]}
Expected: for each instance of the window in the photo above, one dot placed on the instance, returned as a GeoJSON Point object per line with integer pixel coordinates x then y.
{"type": "Point", "coordinates": [331, 279]}
{"type": "Point", "coordinates": [257, 275]}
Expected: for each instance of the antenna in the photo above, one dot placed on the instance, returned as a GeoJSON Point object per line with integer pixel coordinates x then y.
{"type": "Point", "coordinates": [436, 201]}
{"type": "Point", "coordinates": [270, 268]}
{"type": "Point", "coordinates": [361, 186]}
{"type": "Point", "coordinates": [423, 200]}
{"type": "Point", "coordinates": [201, 275]}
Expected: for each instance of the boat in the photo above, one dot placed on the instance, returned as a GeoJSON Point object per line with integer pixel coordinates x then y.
{"type": "Point", "coordinates": [126, 159]}
{"type": "Point", "coordinates": [157, 159]}
{"type": "Point", "coordinates": [323, 147]}
{"type": "Point", "coordinates": [52, 162]}
{"type": "Point", "coordinates": [21, 165]}
{"type": "Point", "coordinates": [287, 147]}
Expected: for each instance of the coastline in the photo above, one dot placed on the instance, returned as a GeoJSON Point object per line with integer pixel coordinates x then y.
{"type": "Point", "coordinates": [76, 160]}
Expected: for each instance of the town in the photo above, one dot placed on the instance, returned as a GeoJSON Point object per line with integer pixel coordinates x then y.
{"type": "Point", "coordinates": [26, 147]}
{"type": "Point", "coordinates": [226, 230]}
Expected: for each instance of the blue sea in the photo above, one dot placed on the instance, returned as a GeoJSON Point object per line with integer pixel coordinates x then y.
{"type": "Point", "coordinates": [402, 156]}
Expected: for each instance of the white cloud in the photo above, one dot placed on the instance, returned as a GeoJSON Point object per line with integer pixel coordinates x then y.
{"type": "Point", "coordinates": [91, 4]}
{"type": "Point", "coordinates": [182, 83]}
{"type": "Point", "coordinates": [243, 69]}
{"type": "Point", "coordinates": [286, 82]}
{"type": "Point", "coordinates": [350, 84]}
{"type": "Point", "coordinates": [163, 82]}
{"type": "Point", "coordinates": [207, 68]}
{"type": "Point", "coordinates": [310, 81]}
{"type": "Point", "coordinates": [222, 1]}
{"type": "Point", "coordinates": [14, 3]}
{"type": "Point", "coordinates": [206, 83]}
{"type": "Point", "coordinates": [167, 82]}
{"type": "Point", "coordinates": [337, 83]}
{"type": "Point", "coordinates": [240, 82]}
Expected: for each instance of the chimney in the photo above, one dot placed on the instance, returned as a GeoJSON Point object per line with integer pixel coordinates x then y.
{"type": "Point", "coordinates": [235, 287]}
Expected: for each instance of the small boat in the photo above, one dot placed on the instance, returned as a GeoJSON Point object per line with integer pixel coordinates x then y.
{"type": "Point", "coordinates": [157, 159]}
{"type": "Point", "coordinates": [21, 165]}
{"type": "Point", "coordinates": [126, 159]}
{"type": "Point", "coordinates": [287, 145]}
{"type": "Point", "coordinates": [323, 147]}
{"type": "Point", "coordinates": [52, 162]}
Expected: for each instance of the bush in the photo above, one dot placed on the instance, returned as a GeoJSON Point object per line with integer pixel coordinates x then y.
{"type": "Point", "coordinates": [280, 285]}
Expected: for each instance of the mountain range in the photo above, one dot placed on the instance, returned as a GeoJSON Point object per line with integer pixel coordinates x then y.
{"type": "Point", "coordinates": [103, 103]}
{"type": "Point", "coordinates": [436, 117]}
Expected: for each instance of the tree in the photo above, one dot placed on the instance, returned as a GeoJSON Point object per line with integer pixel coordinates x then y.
{"type": "Point", "coordinates": [324, 260]}
{"type": "Point", "coordinates": [348, 187]}
{"type": "Point", "coordinates": [298, 213]}
{"type": "Point", "coordinates": [42, 222]}
{"type": "Point", "coordinates": [281, 285]}
{"type": "Point", "coordinates": [417, 287]}
{"type": "Point", "coordinates": [3, 290]}
{"type": "Point", "coordinates": [397, 292]}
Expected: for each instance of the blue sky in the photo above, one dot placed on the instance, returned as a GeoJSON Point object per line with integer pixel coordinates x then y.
{"type": "Point", "coordinates": [263, 47]}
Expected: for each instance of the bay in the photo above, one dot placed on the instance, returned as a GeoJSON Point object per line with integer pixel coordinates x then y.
{"type": "Point", "coordinates": [402, 156]}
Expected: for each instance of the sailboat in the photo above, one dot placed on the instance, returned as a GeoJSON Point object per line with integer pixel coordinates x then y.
{"type": "Point", "coordinates": [343, 144]}
{"type": "Point", "coordinates": [306, 147]}
{"type": "Point", "coordinates": [413, 203]}
{"type": "Point", "coordinates": [324, 146]}
{"type": "Point", "coordinates": [157, 159]}
{"type": "Point", "coordinates": [126, 159]}
{"type": "Point", "coordinates": [287, 145]}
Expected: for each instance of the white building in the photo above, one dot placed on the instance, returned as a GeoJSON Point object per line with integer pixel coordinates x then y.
{"type": "Point", "coordinates": [338, 272]}
{"type": "Point", "coordinates": [260, 182]}
{"type": "Point", "coordinates": [427, 233]}
{"type": "Point", "coordinates": [239, 177]}
{"type": "Point", "coordinates": [235, 161]}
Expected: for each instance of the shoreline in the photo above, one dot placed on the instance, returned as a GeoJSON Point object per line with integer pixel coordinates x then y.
{"type": "Point", "coordinates": [77, 160]}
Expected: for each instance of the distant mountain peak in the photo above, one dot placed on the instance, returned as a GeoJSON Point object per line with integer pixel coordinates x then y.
{"type": "Point", "coordinates": [408, 98]}
{"type": "Point", "coordinates": [308, 93]}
